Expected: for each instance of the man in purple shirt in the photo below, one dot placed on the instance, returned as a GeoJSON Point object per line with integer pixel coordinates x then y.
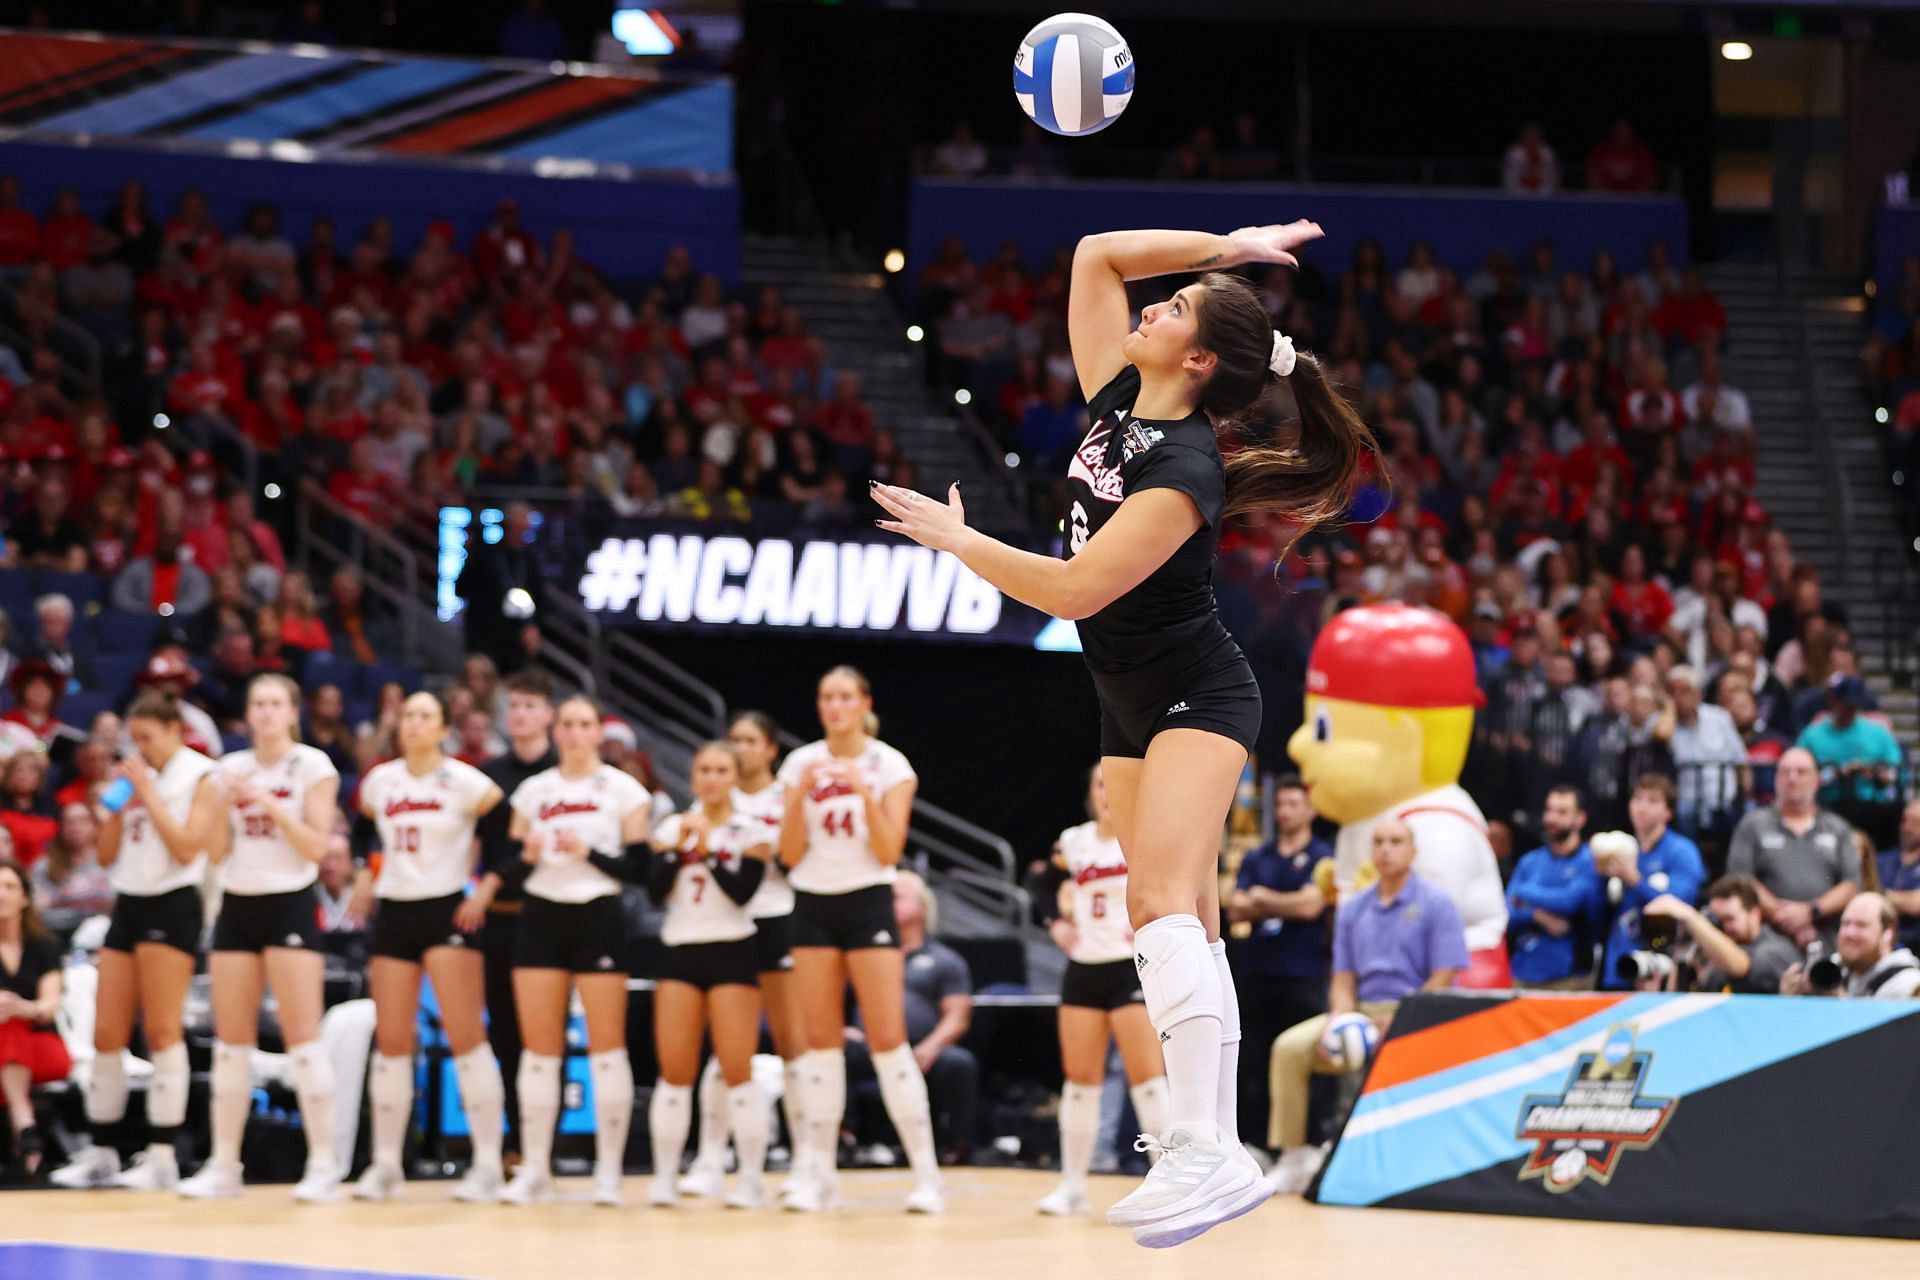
{"type": "Point", "coordinates": [1401, 935]}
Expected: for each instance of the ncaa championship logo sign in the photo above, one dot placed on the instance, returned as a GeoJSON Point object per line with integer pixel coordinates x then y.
{"type": "Point", "coordinates": [1580, 1132]}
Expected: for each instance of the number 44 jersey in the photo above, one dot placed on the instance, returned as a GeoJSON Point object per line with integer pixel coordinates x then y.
{"type": "Point", "coordinates": [839, 857]}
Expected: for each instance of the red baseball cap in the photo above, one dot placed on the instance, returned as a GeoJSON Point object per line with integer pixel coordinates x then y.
{"type": "Point", "coordinates": [1394, 655]}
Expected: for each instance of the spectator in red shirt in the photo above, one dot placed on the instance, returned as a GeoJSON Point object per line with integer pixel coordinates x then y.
{"type": "Point", "coordinates": [1650, 410]}
{"type": "Point", "coordinates": [1727, 466]}
{"type": "Point", "coordinates": [192, 232]}
{"type": "Point", "coordinates": [1691, 314]}
{"type": "Point", "coordinates": [845, 420]}
{"type": "Point", "coordinates": [506, 245]}
{"type": "Point", "coordinates": [67, 234]}
{"type": "Point", "coordinates": [361, 488]}
{"type": "Point", "coordinates": [787, 347]}
{"type": "Point", "coordinates": [163, 581]}
{"type": "Point", "coordinates": [25, 810]}
{"type": "Point", "coordinates": [19, 229]}
{"type": "Point", "coordinates": [1581, 467]}
{"type": "Point", "coordinates": [1621, 162]}
{"type": "Point", "coordinates": [202, 388]}
{"type": "Point", "coordinates": [1637, 598]}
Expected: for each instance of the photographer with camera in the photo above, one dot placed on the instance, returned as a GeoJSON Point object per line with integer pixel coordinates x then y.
{"type": "Point", "coordinates": [1867, 961]}
{"type": "Point", "coordinates": [1634, 871]}
{"type": "Point", "coordinates": [1738, 950]}
{"type": "Point", "coordinates": [1801, 856]}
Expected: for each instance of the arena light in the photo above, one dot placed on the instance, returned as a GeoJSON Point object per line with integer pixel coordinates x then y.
{"type": "Point", "coordinates": [963, 396]}
{"type": "Point", "coordinates": [1899, 479]}
{"type": "Point", "coordinates": [1881, 415]}
{"type": "Point", "coordinates": [1736, 51]}
{"type": "Point", "coordinates": [165, 610]}
{"type": "Point", "coordinates": [895, 262]}
{"type": "Point", "coordinates": [1013, 459]}
{"type": "Point", "coordinates": [915, 333]}
{"type": "Point", "coordinates": [271, 492]}
{"type": "Point", "coordinates": [161, 422]}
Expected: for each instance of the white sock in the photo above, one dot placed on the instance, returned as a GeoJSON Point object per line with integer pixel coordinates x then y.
{"type": "Point", "coordinates": [167, 1094]}
{"type": "Point", "coordinates": [1229, 1093]}
{"type": "Point", "coordinates": [313, 1084]}
{"type": "Point", "coordinates": [1182, 989]}
{"type": "Point", "coordinates": [1079, 1123]}
{"type": "Point", "coordinates": [668, 1116]}
{"type": "Point", "coordinates": [232, 1091]}
{"type": "Point", "coordinates": [713, 1116]}
{"type": "Point", "coordinates": [484, 1096]}
{"type": "Point", "coordinates": [904, 1090]}
{"type": "Point", "coordinates": [825, 1105]}
{"type": "Point", "coordinates": [1150, 1104]}
{"type": "Point", "coordinates": [793, 1106]}
{"type": "Point", "coordinates": [612, 1108]}
{"type": "Point", "coordinates": [748, 1113]}
{"type": "Point", "coordinates": [538, 1084]}
{"type": "Point", "coordinates": [107, 1095]}
{"type": "Point", "coordinates": [390, 1091]}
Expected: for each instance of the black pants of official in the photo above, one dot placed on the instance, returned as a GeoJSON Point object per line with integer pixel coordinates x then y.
{"type": "Point", "coordinates": [1268, 1006]}
{"type": "Point", "coordinates": [503, 1022]}
{"type": "Point", "coordinates": [953, 1092]}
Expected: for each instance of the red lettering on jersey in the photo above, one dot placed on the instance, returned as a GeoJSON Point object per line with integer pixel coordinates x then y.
{"type": "Point", "coordinates": [397, 807]}
{"type": "Point", "coordinates": [560, 808]}
{"type": "Point", "coordinates": [820, 794]}
{"type": "Point", "coordinates": [1090, 465]}
{"type": "Point", "coordinates": [281, 792]}
{"type": "Point", "coordinates": [1087, 875]}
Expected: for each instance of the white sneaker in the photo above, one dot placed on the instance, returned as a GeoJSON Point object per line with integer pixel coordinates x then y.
{"type": "Point", "coordinates": [663, 1194]}
{"type": "Point", "coordinates": [482, 1185]}
{"type": "Point", "coordinates": [811, 1194]}
{"type": "Point", "coordinates": [320, 1184]}
{"type": "Point", "coordinates": [607, 1190]}
{"type": "Point", "coordinates": [928, 1197]}
{"type": "Point", "coordinates": [1068, 1200]}
{"type": "Point", "coordinates": [747, 1193]}
{"type": "Point", "coordinates": [217, 1180]}
{"type": "Point", "coordinates": [1296, 1169]}
{"type": "Point", "coordinates": [704, 1181]}
{"type": "Point", "coordinates": [379, 1182]}
{"type": "Point", "coordinates": [1168, 1232]}
{"type": "Point", "coordinates": [529, 1186]}
{"type": "Point", "coordinates": [1192, 1172]}
{"type": "Point", "coordinates": [93, 1167]}
{"type": "Point", "coordinates": [155, 1169]}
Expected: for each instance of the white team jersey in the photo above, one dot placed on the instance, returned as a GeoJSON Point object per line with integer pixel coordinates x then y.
{"type": "Point", "coordinates": [261, 860]}
{"type": "Point", "coordinates": [698, 910]}
{"type": "Point", "coordinates": [768, 805]}
{"type": "Point", "coordinates": [594, 806]}
{"type": "Point", "coordinates": [1102, 933]}
{"type": "Point", "coordinates": [839, 856]}
{"type": "Point", "coordinates": [144, 868]}
{"type": "Point", "coordinates": [426, 826]}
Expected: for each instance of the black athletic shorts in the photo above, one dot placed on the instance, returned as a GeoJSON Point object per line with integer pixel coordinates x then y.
{"type": "Point", "coordinates": [580, 937]}
{"type": "Point", "coordinates": [407, 930]}
{"type": "Point", "coordinates": [258, 922]}
{"type": "Point", "coordinates": [1219, 697]}
{"type": "Point", "coordinates": [1105, 987]}
{"type": "Point", "coordinates": [773, 943]}
{"type": "Point", "coordinates": [853, 921]}
{"type": "Point", "coordinates": [171, 919]}
{"type": "Point", "coordinates": [707, 965]}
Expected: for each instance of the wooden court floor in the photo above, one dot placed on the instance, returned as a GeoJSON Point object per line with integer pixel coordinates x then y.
{"type": "Point", "coordinates": [989, 1230]}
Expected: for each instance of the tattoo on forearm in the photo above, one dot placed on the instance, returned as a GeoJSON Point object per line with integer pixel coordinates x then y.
{"type": "Point", "coordinates": [1204, 262]}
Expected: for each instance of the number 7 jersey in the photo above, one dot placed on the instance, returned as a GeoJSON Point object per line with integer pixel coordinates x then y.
{"type": "Point", "coordinates": [1102, 932]}
{"type": "Point", "coordinates": [698, 910]}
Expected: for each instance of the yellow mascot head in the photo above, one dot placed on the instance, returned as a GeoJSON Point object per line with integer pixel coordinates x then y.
{"type": "Point", "coordinates": [1390, 701]}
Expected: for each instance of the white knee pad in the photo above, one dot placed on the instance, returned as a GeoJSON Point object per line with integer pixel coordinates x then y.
{"type": "Point", "coordinates": [107, 1088]}
{"type": "Point", "coordinates": [167, 1090]}
{"type": "Point", "coordinates": [1177, 973]}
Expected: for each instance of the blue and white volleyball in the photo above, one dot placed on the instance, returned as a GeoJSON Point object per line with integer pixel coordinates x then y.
{"type": "Point", "coordinates": [1073, 74]}
{"type": "Point", "coordinates": [1349, 1041]}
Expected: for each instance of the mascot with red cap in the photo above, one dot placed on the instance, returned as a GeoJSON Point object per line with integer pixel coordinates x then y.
{"type": "Point", "coordinates": [1390, 702]}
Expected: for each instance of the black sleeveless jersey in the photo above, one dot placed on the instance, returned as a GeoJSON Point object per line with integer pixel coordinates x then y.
{"type": "Point", "coordinates": [1171, 615]}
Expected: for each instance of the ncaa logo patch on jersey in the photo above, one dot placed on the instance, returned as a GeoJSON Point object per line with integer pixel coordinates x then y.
{"type": "Point", "coordinates": [1138, 440]}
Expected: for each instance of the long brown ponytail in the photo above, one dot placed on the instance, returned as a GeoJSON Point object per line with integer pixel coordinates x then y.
{"type": "Point", "coordinates": [1307, 470]}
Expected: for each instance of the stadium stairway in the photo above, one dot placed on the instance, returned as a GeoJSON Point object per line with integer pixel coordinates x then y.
{"type": "Point", "coordinates": [1794, 348]}
{"type": "Point", "coordinates": [849, 307]}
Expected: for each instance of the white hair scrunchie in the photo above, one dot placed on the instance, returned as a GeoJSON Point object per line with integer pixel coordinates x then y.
{"type": "Point", "coordinates": [1283, 358]}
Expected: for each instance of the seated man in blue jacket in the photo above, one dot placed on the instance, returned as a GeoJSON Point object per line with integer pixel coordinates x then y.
{"type": "Point", "coordinates": [1658, 861]}
{"type": "Point", "coordinates": [1550, 901]}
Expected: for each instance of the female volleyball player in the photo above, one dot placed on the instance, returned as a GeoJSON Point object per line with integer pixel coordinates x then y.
{"type": "Point", "coordinates": [425, 805]}
{"type": "Point", "coordinates": [1179, 706]}
{"type": "Point", "coordinates": [848, 798]}
{"type": "Point", "coordinates": [154, 849]}
{"type": "Point", "coordinates": [583, 825]}
{"type": "Point", "coordinates": [710, 864]}
{"type": "Point", "coordinates": [1100, 998]}
{"type": "Point", "coordinates": [755, 740]}
{"type": "Point", "coordinates": [281, 796]}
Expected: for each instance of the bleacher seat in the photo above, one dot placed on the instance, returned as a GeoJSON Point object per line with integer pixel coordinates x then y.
{"type": "Point", "coordinates": [82, 588]}
{"type": "Point", "coordinates": [16, 597]}
{"type": "Point", "coordinates": [114, 671]}
{"type": "Point", "coordinates": [375, 674]}
{"type": "Point", "coordinates": [117, 631]}
{"type": "Point", "coordinates": [79, 709]}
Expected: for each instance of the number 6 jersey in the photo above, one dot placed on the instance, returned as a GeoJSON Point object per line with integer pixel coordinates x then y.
{"type": "Point", "coordinates": [839, 852]}
{"type": "Point", "coordinates": [1102, 933]}
{"type": "Point", "coordinates": [426, 826]}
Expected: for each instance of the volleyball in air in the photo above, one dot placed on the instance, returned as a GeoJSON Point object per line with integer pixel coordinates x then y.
{"type": "Point", "coordinates": [1350, 1040]}
{"type": "Point", "coordinates": [1073, 74]}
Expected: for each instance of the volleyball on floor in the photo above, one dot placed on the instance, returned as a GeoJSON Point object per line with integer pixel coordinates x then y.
{"type": "Point", "coordinates": [1350, 1040]}
{"type": "Point", "coordinates": [1073, 74]}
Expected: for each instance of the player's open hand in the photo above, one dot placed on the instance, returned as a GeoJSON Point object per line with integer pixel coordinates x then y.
{"type": "Point", "coordinates": [929, 523]}
{"type": "Point", "coordinates": [1275, 243]}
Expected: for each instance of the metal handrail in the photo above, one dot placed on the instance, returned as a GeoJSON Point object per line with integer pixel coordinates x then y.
{"type": "Point", "coordinates": [89, 375]}
{"type": "Point", "coordinates": [406, 603]}
{"type": "Point", "coordinates": [1833, 475]}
